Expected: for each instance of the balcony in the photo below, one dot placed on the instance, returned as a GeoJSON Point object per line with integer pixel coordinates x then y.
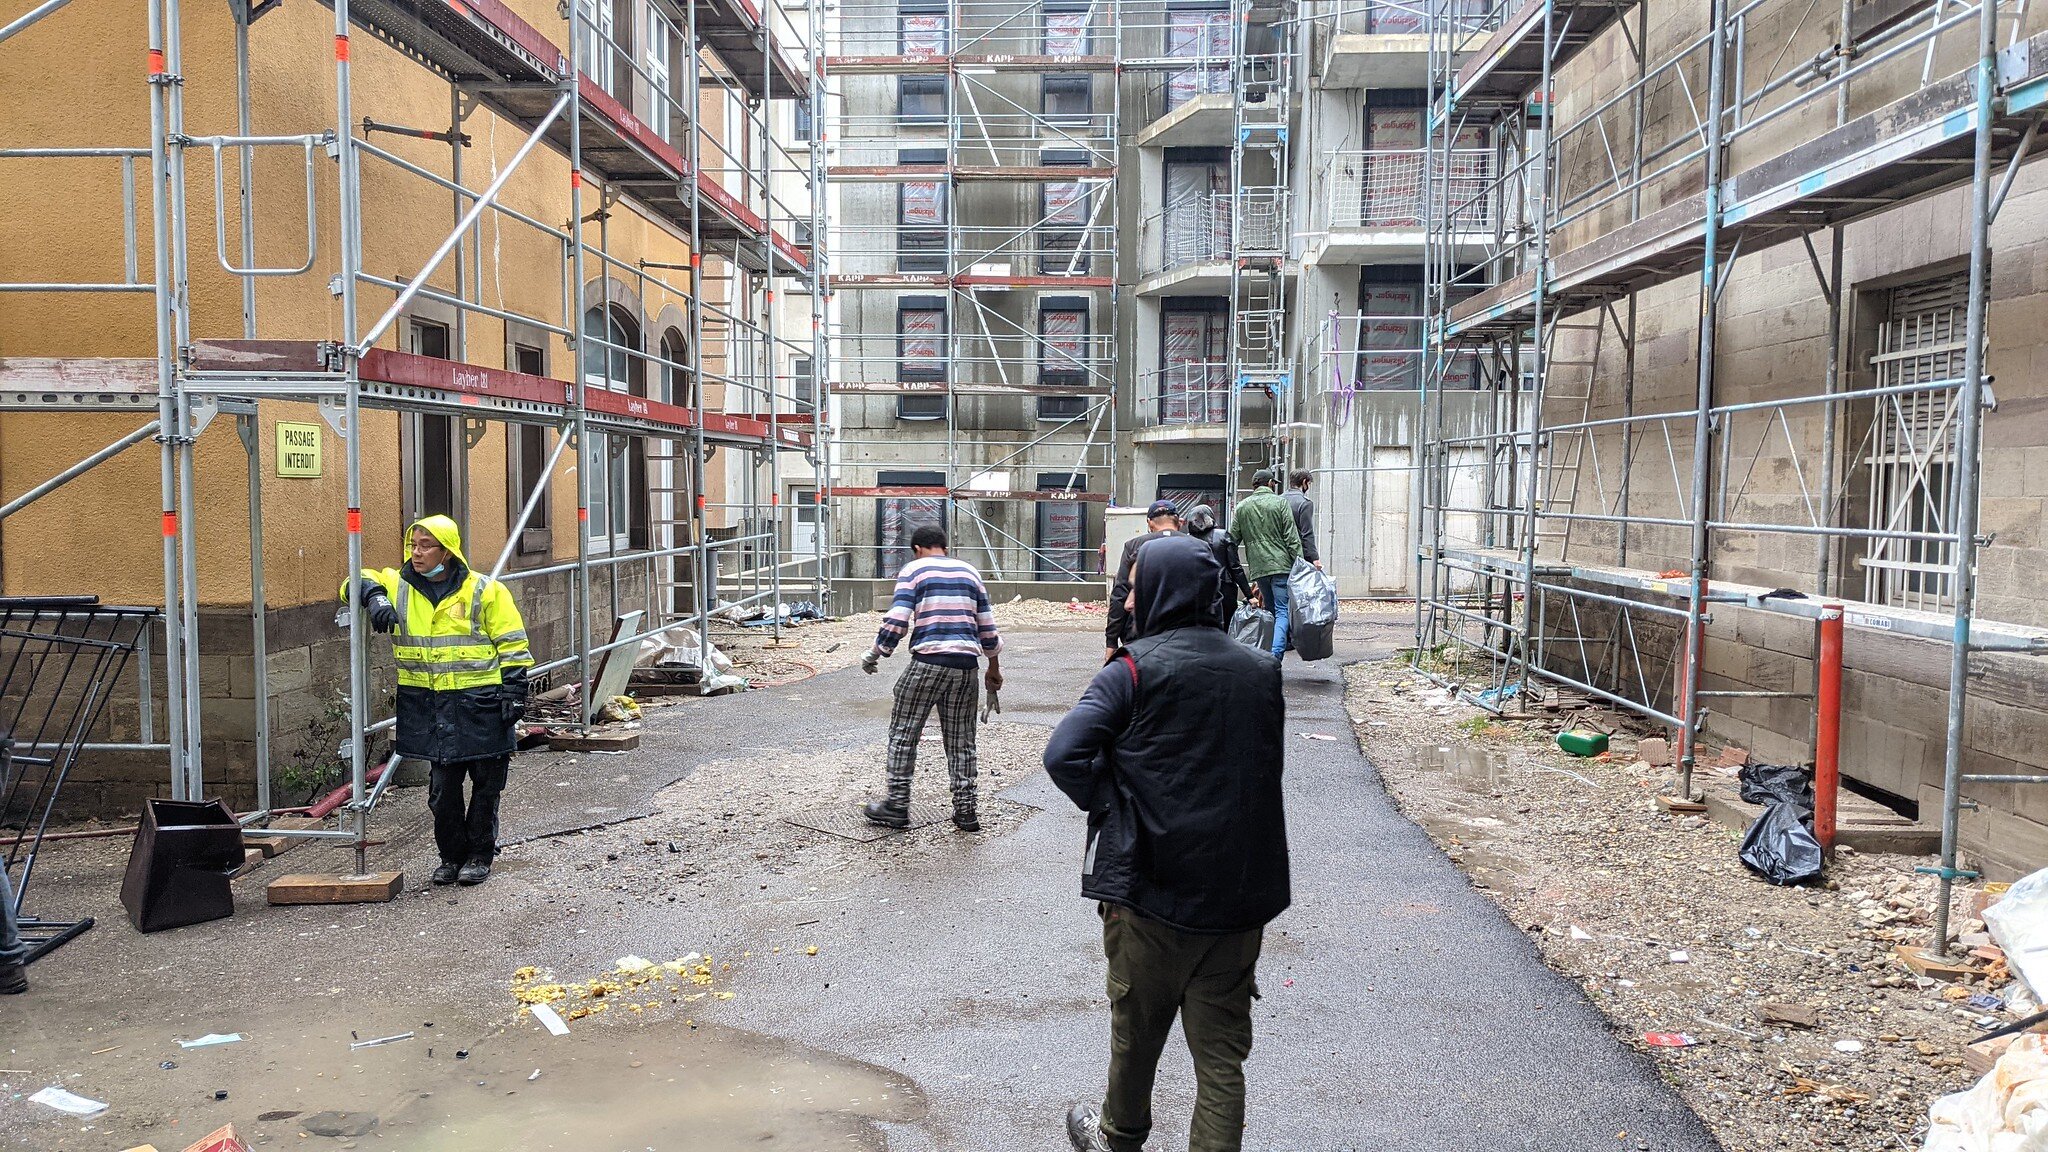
{"type": "Point", "coordinates": [1185, 249]}
{"type": "Point", "coordinates": [1370, 206]}
{"type": "Point", "coordinates": [1189, 403]}
{"type": "Point", "coordinates": [1385, 43]}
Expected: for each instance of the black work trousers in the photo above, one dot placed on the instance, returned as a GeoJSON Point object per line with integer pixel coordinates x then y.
{"type": "Point", "coordinates": [466, 833]}
{"type": "Point", "coordinates": [1156, 973]}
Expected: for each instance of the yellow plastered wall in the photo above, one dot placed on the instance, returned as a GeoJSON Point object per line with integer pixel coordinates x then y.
{"type": "Point", "coordinates": [62, 221]}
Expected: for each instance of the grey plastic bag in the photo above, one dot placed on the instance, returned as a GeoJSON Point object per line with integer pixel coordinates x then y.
{"type": "Point", "coordinates": [1252, 627]}
{"type": "Point", "coordinates": [1311, 595]}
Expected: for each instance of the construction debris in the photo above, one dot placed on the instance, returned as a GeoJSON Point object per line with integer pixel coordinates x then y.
{"type": "Point", "coordinates": [2006, 1111]}
{"type": "Point", "coordinates": [1612, 883]}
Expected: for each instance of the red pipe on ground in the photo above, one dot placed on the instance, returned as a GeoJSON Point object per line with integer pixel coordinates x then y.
{"type": "Point", "coordinates": [339, 796]}
{"type": "Point", "coordinates": [1827, 739]}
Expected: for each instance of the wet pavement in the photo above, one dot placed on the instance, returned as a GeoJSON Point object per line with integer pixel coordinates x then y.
{"type": "Point", "coordinates": [955, 1002]}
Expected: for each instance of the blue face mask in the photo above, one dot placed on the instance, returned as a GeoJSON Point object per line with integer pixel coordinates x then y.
{"type": "Point", "coordinates": [435, 572]}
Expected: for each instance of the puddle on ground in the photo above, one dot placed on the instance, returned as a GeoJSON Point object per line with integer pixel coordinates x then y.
{"type": "Point", "coordinates": [623, 1085]}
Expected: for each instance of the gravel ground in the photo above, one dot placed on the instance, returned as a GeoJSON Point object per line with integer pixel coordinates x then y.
{"type": "Point", "coordinates": [1667, 932]}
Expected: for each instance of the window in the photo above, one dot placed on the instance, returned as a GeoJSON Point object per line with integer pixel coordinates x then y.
{"type": "Point", "coordinates": [1063, 355]}
{"type": "Point", "coordinates": [1392, 185]}
{"type": "Point", "coordinates": [921, 99]}
{"type": "Point", "coordinates": [1191, 381]}
{"type": "Point", "coordinates": [1197, 208]}
{"type": "Point", "coordinates": [1200, 33]}
{"type": "Point", "coordinates": [1062, 552]}
{"type": "Point", "coordinates": [803, 378]}
{"type": "Point", "coordinates": [1066, 101]}
{"type": "Point", "coordinates": [616, 464]}
{"type": "Point", "coordinates": [897, 518]}
{"type": "Point", "coordinates": [1063, 214]}
{"type": "Point", "coordinates": [602, 44]}
{"type": "Point", "coordinates": [1911, 447]}
{"type": "Point", "coordinates": [1187, 489]}
{"type": "Point", "coordinates": [921, 216]}
{"type": "Point", "coordinates": [1390, 339]}
{"type": "Point", "coordinates": [660, 102]}
{"type": "Point", "coordinates": [1066, 29]}
{"type": "Point", "coordinates": [921, 355]}
{"type": "Point", "coordinates": [921, 28]}
{"type": "Point", "coordinates": [675, 368]}
{"type": "Point", "coordinates": [526, 449]}
{"type": "Point", "coordinates": [806, 128]}
{"type": "Point", "coordinates": [432, 445]}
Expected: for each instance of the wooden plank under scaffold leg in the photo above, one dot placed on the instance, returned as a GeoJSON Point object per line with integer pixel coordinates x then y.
{"type": "Point", "coordinates": [335, 888]}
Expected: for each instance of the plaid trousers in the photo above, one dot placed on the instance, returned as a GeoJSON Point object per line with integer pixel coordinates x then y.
{"type": "Point", "coordinates": [956, 693]}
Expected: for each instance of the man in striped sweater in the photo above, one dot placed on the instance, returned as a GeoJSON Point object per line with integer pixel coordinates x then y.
{"type": "Point", "coordinates": [943, 607]}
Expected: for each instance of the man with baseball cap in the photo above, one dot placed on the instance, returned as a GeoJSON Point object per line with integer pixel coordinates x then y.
{"type": "Point", "coordinates": [1164, 520]}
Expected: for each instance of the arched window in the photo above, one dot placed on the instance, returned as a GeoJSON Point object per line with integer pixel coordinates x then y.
{"type": "Point", "coordinates": [612, 361]}
{"type": "Point", "coordinates": [675, 368]}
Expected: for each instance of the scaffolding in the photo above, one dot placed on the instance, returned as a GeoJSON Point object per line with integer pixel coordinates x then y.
{"type": "Point", "coordinates": [704, 164]}
{"type": "Point", "coordinates": [1763, 123]}
{"type": "Point", "coordinates": [959, 296]}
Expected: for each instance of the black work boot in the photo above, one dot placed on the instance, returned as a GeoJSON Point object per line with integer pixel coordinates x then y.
{"type": "Point", "coordinates": [887, 813]}
{"type": "Point", "coordinates": [963, 816]}
{"type": "Point", "coordinates": [13, 979]}
{"type": "Point", "coordinates": [474, 872]}
{"type": "Point", "coordinates": [1084, 1129]}
{"type": "Point", "coordinates": [446, 873]}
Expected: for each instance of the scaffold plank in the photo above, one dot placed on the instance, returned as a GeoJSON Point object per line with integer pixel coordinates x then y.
{"type": "Point", "coordinates": [941, 492]}
{"type": "Point", "coordinates": [64, 384]}
{"type": "Point", "coordinates": [931, 387]}
{"type": "Point", "coordinates": [1508, 65]}
{"type": "Point", "coordinates": [911, 65]}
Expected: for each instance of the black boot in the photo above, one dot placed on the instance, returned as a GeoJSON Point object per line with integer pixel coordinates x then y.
{"type": "Point", "coordinates": [446, 873]}
{"type": "Point", "coordinates": [474, 872]}
{"type": "Point", "coordinates": [963, 816]}
{"type": "Point", "coordinates": [887, 813]}
{"type": "Point", "coordinates": [13, 979]}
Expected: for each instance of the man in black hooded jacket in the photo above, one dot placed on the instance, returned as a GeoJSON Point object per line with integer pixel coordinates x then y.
{"type": "Point", "coordinates": [1187, 843]}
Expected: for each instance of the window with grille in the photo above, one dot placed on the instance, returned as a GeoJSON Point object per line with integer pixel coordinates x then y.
{"type": "Point", "coordinates": [1910, 451]}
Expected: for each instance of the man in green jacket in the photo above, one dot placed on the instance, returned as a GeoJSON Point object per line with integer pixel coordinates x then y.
{"type": "Point", "coordinates": [1265, 532]}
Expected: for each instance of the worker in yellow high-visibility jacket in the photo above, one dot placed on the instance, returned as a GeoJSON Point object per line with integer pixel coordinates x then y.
{"type": "Point", "coordinates": [462, 663]}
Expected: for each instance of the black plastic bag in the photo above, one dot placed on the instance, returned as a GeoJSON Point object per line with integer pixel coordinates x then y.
{"type": "Point", "coordinates": [1313, 641]}
{"type": "Point", "coordinates": [1769, 784]}
{"type": "Point", "coordinates": [1780, 846]}
{"type": "Point", "coordinates": [1252, 627]}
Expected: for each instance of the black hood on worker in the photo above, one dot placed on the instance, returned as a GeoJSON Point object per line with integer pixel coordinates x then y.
{"type": "Point", "coordinates": [1176, 584]}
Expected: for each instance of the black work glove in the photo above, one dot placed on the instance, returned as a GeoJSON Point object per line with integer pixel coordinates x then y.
{"type": "Point", "coordinates": [376, 604]}
{"type": "Point", "coordinates": [383, 617]}
{"type": "Point", "coordinates": [515, 695]}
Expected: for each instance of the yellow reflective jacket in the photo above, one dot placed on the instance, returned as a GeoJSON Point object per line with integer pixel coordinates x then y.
{"type": "Point", "coordinates": [453, 657]}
